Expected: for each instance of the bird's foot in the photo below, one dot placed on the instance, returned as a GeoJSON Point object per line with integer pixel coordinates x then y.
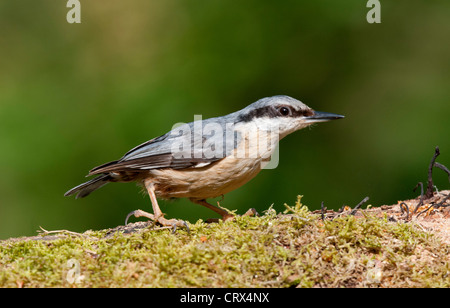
{"type": "Point", "coordinates": [174, 223]}
{"type": "Point", "coordinates": [139, 213]}
{"type": "Point", "coordinates": [251, 212]}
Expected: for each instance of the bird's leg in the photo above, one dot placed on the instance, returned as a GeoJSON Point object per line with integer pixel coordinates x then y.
{"type": "Point", "coordinates": [225, 215]}
{"type": "Point", "coordinates": [157, 215]}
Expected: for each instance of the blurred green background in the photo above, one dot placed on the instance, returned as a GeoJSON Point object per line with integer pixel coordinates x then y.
{"type": "Point", "coordinates": [73, 96]}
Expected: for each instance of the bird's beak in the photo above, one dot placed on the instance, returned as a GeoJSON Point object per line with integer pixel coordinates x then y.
{"type": "Point", "coordinates": [322, 117]}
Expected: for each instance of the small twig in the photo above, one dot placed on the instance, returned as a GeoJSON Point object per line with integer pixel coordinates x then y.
{"type": "Point", "coordinates": [440, 204]}
{"type": "Point", "coordinates": [45, 232]}
{"type": "Point", "coordinates": [402, 210]}
{"type": "Point", "coordinates": [323, 209]}
{"type": "Point", "coordinates": [425, 210]}
{"type": "Point", "coordinates": [353, 212]}
{"type": "Point", "coordinates": [429, 192]}
{"type": "Point", "coordinates": [441, 166]}
{"type": "Point", "coordinates": [421, 196]}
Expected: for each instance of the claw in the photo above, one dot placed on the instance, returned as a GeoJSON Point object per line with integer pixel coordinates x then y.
{"type": "Point", "coordinates": [187, 227]}
{"type": "Point", "coordinates": [128, 217]}
{"type": "Point", "coordinates": [174, 226]}
{"type": "Point", "coordinates": [139, 213]}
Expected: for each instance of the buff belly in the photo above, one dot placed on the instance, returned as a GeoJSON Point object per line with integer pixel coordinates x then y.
{"type": "Point", "coordinates": [206, 182]}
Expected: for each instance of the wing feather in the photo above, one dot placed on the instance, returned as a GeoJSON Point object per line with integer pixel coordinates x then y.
{"type": "Point", "coordinates": [159, 153]}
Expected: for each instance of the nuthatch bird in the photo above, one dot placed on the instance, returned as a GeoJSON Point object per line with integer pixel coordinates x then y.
{"type": "Point", "coordinates": [206, 158]}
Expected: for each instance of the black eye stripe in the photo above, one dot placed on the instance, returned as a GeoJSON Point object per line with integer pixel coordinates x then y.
{"type": "Point", "coordinates": [272, 112]}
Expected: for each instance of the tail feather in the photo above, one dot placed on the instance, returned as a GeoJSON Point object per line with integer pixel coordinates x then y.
{"type": "Point", "coordinates": [111, 163]}
{"type": "Point", "coordinates": [85, 189]}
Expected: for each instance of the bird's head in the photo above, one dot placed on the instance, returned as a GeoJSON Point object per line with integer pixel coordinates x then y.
{"type": "Point", "coordinates": [283, 114]}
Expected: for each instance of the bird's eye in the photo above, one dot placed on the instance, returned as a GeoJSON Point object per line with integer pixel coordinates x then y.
{"type": "Point", "coordinates": [284, 111]}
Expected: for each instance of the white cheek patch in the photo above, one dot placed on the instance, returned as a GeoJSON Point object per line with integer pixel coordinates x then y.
{"type": "Point", "coordinates": [281, 126]}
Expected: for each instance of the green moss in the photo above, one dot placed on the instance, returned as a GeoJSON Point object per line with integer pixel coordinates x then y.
{"type": "Point", "coordinates": [294, 248]}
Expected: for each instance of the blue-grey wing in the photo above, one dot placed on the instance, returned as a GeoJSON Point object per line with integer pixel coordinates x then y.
{"type": "Point", "coordinates": [191, 145]}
